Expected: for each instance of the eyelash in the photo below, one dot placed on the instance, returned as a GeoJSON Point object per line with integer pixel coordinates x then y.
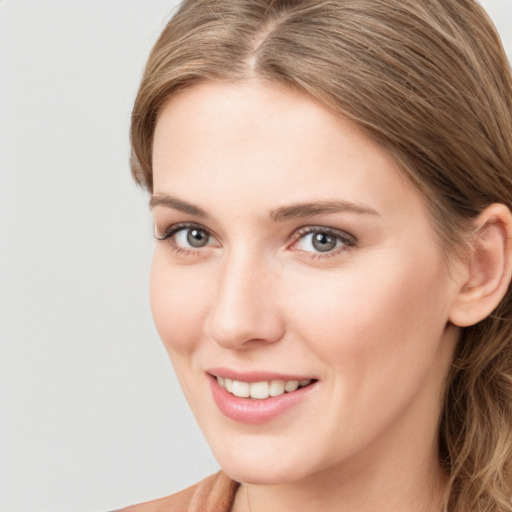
{"type": "Point", "coordinates": [169, 233]}
{"type": "Point", "coordinates": [347, 241]}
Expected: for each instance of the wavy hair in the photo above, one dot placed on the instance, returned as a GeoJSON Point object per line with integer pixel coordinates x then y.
{"type": "Point", "coordinates": [429, 81]}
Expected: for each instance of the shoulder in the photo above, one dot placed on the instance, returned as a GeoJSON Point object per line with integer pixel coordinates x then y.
{"type": "Point", "coordinates": [213, 494]}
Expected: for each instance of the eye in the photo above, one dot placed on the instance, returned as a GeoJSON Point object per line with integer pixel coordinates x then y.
{"type": "Point", "coordinates": [322, 240]}
{"type": "Point", "coordinates": [191, 237]}
{"type": "Point", "coordinates": [187, 236]}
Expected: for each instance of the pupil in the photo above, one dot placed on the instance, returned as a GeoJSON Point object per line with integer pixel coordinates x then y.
{"type": "Point", "coordinates": [323, 242]}
{"type": "Point", "coordinates": [197, 238]}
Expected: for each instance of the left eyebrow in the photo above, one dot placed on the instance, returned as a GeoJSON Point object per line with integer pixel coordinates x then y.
{"type": "Point", "coordinates": [301, 210]}
{"type": "Point", "coordinates": [176, 204]}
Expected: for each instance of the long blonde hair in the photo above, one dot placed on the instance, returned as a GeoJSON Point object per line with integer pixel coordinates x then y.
{"type": "Point", "coordinates": [427, 79]}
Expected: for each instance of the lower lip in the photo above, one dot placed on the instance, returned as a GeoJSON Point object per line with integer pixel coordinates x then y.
{"type": "Point", "coordinates": [254, 411]}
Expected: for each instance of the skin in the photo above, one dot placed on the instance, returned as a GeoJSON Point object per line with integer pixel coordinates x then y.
{"type": "Point", "coordinates": [370, 319]}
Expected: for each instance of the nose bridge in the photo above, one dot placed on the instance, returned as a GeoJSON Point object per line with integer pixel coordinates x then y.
{"type": "Point", "coordinates": [244, 308]}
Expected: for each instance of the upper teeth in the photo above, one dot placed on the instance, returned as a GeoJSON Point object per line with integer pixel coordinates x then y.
{"type": "Point", "coordinates": [260, 390]}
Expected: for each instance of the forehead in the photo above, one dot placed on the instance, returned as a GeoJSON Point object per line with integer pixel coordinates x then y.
{"type": "Point", "coordinates": [257, 139]}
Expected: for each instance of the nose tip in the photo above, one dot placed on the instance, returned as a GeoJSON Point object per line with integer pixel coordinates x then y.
{"type": "Point", "coordinates": [244, 311]}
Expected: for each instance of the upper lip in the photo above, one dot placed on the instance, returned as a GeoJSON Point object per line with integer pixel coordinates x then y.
{"type": "Point", "coordinates": [256, 376]}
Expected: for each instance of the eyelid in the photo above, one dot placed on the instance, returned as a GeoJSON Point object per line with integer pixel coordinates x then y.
{"type": "Point", "coordinates": [173, 229]}
{"type": "Point", "coordinates": [347, 239]}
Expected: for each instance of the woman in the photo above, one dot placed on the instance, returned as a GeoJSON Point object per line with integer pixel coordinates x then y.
{"type": "Point", "coordinates": [331, 185]}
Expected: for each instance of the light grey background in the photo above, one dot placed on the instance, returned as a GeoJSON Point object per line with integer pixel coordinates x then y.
{"type": "Point", "coordinates": [91, 417]}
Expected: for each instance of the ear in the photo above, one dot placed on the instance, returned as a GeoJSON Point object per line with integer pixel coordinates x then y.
{"type": "Point", "coordinates": [488, 267]}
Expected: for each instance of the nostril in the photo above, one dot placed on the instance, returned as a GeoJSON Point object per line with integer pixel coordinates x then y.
{"type": "Point", "coordinates": [243, 326]}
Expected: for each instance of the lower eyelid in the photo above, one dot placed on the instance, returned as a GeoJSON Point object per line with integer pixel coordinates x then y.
{"type": "Point", "coordinates": [345, 239]}
{"type": "Point", "coordinates": [169, 236]}
{"type": "Point", "coordinates": [315, 256]}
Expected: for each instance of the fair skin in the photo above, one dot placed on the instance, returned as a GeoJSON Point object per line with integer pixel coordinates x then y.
{"type": "Point", "coordinates": [353, 293]}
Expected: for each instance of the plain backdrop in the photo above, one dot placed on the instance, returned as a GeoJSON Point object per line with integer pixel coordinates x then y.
{"type": "Point", "coordinates": [91, 416]}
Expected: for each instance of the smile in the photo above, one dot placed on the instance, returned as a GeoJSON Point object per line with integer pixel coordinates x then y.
{"type": "Point", "coordinates": [256, 398]}
{"type": "Point", "coordinates": [261, 390]}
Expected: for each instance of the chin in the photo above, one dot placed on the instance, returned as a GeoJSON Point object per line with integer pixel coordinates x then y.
{"type": "Point", "coordinates": [261, 466]}
{"type": "Point", "coordinates": [251, 473]}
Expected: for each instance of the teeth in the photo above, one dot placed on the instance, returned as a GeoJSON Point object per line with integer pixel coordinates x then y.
{"type": "Point", "coordinates": [240, 389]}
{"type": "Point", "coordinates": [277, 387]}
{"type": "Point", "coordinates": [260, 390]}
{"type": "Point", "coordinates": [291, 385]}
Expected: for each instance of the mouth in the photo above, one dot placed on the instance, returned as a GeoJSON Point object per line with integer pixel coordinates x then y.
{"type": "Point", "coordinates": [257, 398]}
{"type": "Point", "coordinates": [263, 389]}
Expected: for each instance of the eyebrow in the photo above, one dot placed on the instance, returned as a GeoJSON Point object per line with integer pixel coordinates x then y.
{"type": "Point", "coordinates": [302, 210]}
{"type": "Point", "coordinates": [281, 214]}
{"type": "Point", "coordinates": [175, 204]}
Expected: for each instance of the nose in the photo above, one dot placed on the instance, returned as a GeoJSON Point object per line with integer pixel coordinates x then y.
{"type": "Point", "coordinates": [245, 310]}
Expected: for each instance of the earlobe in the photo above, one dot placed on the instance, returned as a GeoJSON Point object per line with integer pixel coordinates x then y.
{"type": "Point", "coordinates": [489, 267]}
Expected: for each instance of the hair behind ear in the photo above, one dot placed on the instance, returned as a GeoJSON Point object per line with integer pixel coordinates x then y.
{"type": "Point", "coordinates": [475, 433]}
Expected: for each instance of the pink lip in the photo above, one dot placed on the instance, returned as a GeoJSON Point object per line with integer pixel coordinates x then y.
{"type": "Point", "coordinates": [256, 376]}
{"type": "Point", "coordinates": [253, 411]}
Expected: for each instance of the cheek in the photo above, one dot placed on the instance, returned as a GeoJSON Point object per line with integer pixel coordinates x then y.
{"type": "Point", "coordinates": [180, 299]}
{"type": "Point", "coordinates": [380, 315]}
{"type": "Point", "coordinates": [377, 335]}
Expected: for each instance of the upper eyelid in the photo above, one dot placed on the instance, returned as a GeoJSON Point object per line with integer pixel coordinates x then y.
{"type": "Point", "coordinates": [179, 226]}
{"type": "Point", "coordinates": [298, 233]}
{"type": "Point", "coordinates": [294, 237]}
{"type": "Point", "coordinates": [348, 242]}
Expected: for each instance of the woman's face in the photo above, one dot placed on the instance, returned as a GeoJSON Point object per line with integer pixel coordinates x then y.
{"type": "Point", "coordinates": [290, 248]}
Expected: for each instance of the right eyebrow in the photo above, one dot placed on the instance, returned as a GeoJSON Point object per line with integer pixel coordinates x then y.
{"type": "Point", "coordinates": [176, 204]}
{"type": "Point", "coordinates": [304, 210]}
